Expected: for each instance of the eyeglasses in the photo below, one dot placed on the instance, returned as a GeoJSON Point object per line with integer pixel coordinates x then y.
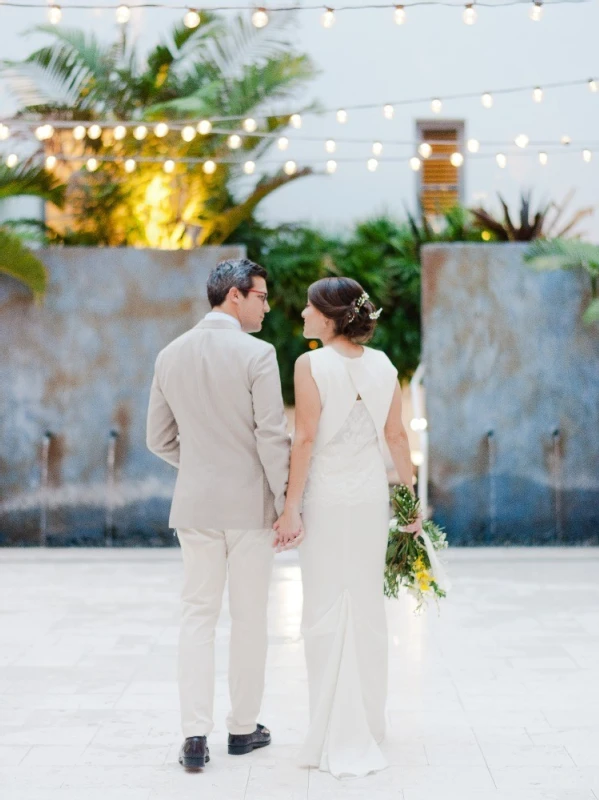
{"type": "Point", "coordinates": [263, 295]}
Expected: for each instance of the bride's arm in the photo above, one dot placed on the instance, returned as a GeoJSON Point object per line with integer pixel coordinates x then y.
{"type": "Point", "coordinates": [307, 415]}
{"type": "Point", "coordinates": [399, 446]}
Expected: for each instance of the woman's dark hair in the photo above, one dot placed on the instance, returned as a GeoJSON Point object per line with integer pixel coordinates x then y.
{"type": "Point", "coordinates": [337, 299]}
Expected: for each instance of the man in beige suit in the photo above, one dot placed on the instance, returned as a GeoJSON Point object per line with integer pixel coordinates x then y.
{"type": "Point", "coordinates": [216, 413]}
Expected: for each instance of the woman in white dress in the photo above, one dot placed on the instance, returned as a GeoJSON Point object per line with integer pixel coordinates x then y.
{"type": "Point", "coordinates": [348, 409]}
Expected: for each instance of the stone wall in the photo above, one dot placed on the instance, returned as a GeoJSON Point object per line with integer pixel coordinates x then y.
{"type": "Point", "coordinates": [79, 366]}
{"type": "Point", "coordinates": [512, 388]}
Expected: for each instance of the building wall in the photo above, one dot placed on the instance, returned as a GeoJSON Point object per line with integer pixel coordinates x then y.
{"type": "Point", "coordinates": [79, 366]}
{"type": "Point", "coordinates": [512, 387]}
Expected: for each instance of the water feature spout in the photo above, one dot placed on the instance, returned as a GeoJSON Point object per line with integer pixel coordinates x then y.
{"type": "Point", "coordinates": [491, 465]}
{"type": "Point", "coordinates": [556, 438]}
{"type": "Point", "coordinates": [110, 487]}
{"type": "Point", "coordinates": [44, 480]}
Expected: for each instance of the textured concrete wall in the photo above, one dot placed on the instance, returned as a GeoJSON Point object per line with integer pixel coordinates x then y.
{"type": "Point", "coordinates": [80, 366]}
{"type": "Point", "coordinates": [512, 388]}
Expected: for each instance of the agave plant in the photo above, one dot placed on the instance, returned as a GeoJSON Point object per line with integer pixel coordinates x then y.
{"type": "Point", "coordinates": [572, 254]}
{"type": "Point", "coordinates": [224, 70]}
{"type": "Point", "coordinates": [544, 223]}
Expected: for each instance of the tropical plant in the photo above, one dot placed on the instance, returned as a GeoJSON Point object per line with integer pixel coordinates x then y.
{"type": "Point", "coordinates": [560, 254]}
{"type": "Point", "coordinates": [546, 222]}
{"type": "Point", "coordinates": [226, 69]}
{"type": "Point", "coordinates": [20, 263]}
{"type": "Point", "coordinates": [29, 179]}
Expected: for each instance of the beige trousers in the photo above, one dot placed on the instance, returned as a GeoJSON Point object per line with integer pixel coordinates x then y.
{"type": "Point", "coordinates": [208, 555]}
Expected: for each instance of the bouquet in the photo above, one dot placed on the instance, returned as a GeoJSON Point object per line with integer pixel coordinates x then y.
{"type": "Point", "coordinates": [411, 562]}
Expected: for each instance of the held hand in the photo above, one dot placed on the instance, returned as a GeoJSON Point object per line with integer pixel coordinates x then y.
{"type": "Point", "coordinates": [297, 540]}
{"type": "Point", "coordinates": [288, 525]}
{"type": "Point", "coordinates": [414, 527]}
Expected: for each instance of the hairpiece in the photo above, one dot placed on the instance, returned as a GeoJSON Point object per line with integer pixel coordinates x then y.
{"type": "Point", "coordinates": [376, 314]}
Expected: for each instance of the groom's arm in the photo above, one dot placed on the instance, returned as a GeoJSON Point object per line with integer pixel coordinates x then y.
{"type": "Point", "coordinates": [161, 428]}
{"type": "Point", "coordinates": [271, 424]}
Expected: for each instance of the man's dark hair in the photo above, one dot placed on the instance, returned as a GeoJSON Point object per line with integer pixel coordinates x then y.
{"type": "Point", "coordinates": [235, 272]}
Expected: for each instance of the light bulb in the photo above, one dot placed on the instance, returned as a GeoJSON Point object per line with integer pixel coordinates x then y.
{"type": "Point", "coordinates": [330, 146]}
{"type": "Point", "coordinates": [54, 15]}
{"type": "Point", "coordinates": [140, 132]}
{"type": "Point", "coordinates": [44, 132]}
{"type": "Point", "coordinates": [328, 18]}
{"type": "Point", "coordinates": [12, 160]}
{"type": "Point", "coordinates": [290, 167]}
{"type": "Point", "coordinates": [94, 132]}
{"type": "Point", "coordinates": [79, 132]}
{"type": "Point", "coordinates": [593, 85]}
{"type": "Point", "coordinates": [388, 111]}
{"type": "Point", "coordinates": [283, 143]}
{"type": "Point", "coordinates": [436, 105]}
{"type": "Point", "coordinates": [260, 18]}
{"type": "Point", "coordinates": [487, 100]}
{"type": "Point", "coordinates": [188, 134]}
{"type": "Point", "coordinates": [123, 14]}
{"type": "Point", "coordinates": [543, 158]}
{"type": "Point", "coordinates": [377, 148]}
{"type": "Point", "coordinates": [169, 165]}
{"type": "Point", "coordinates": [91, 164]}
{"type": "Point", "coordinates": [537, 94]}
{"type": "Point", "coordinates": [469, 14]}
{"type": "Point", "coordinates": [161, 130]}
{"type": "Point", "coordinates": [295, 121]}
{"type": "Point", "coordinates": [521, 140]}
{"type": "Point", "coordinates": [566, 140]}
{"type": "Point", "coordinates": [192, 19]}
{"type": "Point", "coordinates": [587, 155]}
{"type": "Point", "coordinates": [501, 160]}
{"type": "Point", "coordinates": [473, 145]}
{"type": "Point", "coordinates": [536, 12]}
{"type": "Point", "coordinates": [249, 125]}
{"type": "Point", "coordinates": [425, 149]}
{"type": "Point", "coordinates": [399, 15]}
{"type": "Point", "coordinates": [130, 165]}
{"type": "Point", "coordinates": [341, 116]}
{"type": "Point", "coordinates": [415, 163]}
{"type": "Point", "coordinates": [456, 159]}
{"type": "Point", "coordinates": [209, 167]}
{"type": "Point", "coordinates": [331, 167]}
{"type": "Point", "coordinates": [372, 164]}
{"type": "Point", "coordinates": [234, 141]}
{"type": "Point", "coordinates": [119, 132]}
{"type": "Point", "coordinates": [204, 127]}
{"type": "Point", "coordinates": [4, 132]}
{"type": "Point", "coordinates": [50, 162]}
{"type": "Point", "coordinates": [249, 167]}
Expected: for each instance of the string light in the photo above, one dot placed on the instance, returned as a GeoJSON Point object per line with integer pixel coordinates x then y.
{"type": "Point", "coordinates": [377, 149]}
{"type": "Point", "coordinates": [161, 130]}
{"type": "Point", "coordinates": [536, 12]}
{"type": "Point", "coordinates": [415, 163]}
{"type": "Point", "coordinates": [130, 165]}
{"type": "Point", "coordinates": [537, 94]}
{"type": "Point", "coordinates": [94, 131]}
{"type": "Point", "coordinates": [192, 19]}
{"type": "Point", "coordinates": [54, 15]}
{"type": "Point", "coordinates": [234, 141]}
{"type": "Point", "coordinates": [487, 100]}
{"type": "Point", "coordinates": [44, 132]}
{"type": "Point", "coordinates": [209, 167]}
{"type": "Point", "coordinates": [169, 166]}
{"type": "Point", "coordinates": [593, 85]}
{"type": "Point", "coordinates": [521, 140]}
{"type": "Point", "coordinates": [473, 145]}
{"type": "Point", "coordinates": [290, 167]}
{"type": "Point", "coordinates": [140, 132]}
{"type": "Point", "coordinates": [204, 127]}
{"type": "Point", "coordinates": [565, 140]}
{"type": "Point", "coordinates": [283, 143]}
{"type": "Point", "coordinates": [79, 132]}
{"type": "Point", "coordinates": [456, 159]}
{"type": "Point", "coordinates": [328, 18]}
{"type": "Point", "coordinates": [119, 132]}
{"type": "Point", "coordinates": [123, 14]}
{"type": "Point", "coordinates": [330, 146]}
{"type": "Point", "coordinates": [587, 155]}
{"type": "Point", "coordinates": [436, 106]}
{"type": "Point", "coordinates": [260, 18]}
{"type": "Point", "coordinates": [501, 160]}
{"type": "Point", "coordinates": [12, 160]}
{"type": "Point", "coordinates": [4, 132]}
{"type": "Point", "coordinates": [399, 15]}
{"type": "Point", "coordinates": [188, 134]}
{"type": "Point", "coordinates": [331, 167]}
{"type": "Point", "coordinates": [249, 167]}
{"type": "Point", "coordinates": [341, 116]}
{"type": "Point", "coordinates": [91, 164]}
{"type": "Point", "coordinates": [388, 111]}
{"type": "Point", "coordinates": [296, 121]}
{"type": "Point", "coordinates": [249, 125]}
{"type": "Point", "coordinates": [469, 14]}
{"type": "Point", "coordinates": [50, 162]}
{"type": "Point", "coordinates": [425, 149]}
{"type": "Point", "coordinates": [372, 164]}
{"type": "Point", "coordinates": [543, 159]}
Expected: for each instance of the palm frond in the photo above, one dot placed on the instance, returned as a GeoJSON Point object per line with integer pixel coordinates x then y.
{"type": "Point", "coordinates": [30, 179]}
{"type": "Point", "coordinates": [592, 312]}
{"type": "Point", "coordinates": [555, 254]}
{"type": "Point", "coordinates": [20, 263]}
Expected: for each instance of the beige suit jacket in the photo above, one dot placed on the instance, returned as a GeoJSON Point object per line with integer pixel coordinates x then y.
{"type": "Point", "coordinates": [216, 413]}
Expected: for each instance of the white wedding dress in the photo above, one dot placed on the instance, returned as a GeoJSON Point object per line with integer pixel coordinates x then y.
{"type": "Point", "coordinates": [346, 518]}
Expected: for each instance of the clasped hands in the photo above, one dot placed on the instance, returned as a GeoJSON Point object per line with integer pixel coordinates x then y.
{"type": "Point", "coordinates": [289, 531]}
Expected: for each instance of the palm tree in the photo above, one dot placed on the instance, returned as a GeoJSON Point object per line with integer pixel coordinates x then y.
{"type": "Point", "coordinates": [572, 254]}
{"type": "Point", "coordinates": [230, 70]}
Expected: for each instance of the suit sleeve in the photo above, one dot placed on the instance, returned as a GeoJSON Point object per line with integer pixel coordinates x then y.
{"type": "Point", "coordinates": [271, 425]}
{"type": "Point", "coordinates": [161, 428]}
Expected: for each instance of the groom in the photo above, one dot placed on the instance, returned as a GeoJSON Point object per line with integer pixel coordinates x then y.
{"type": "Point", "coordinates": [216, 413]}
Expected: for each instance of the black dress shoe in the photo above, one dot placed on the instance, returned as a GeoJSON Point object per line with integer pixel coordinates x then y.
{"type": "Point", "coordinates": [194, 753]}
{"type": "Point", "coordinates": [246, 742]}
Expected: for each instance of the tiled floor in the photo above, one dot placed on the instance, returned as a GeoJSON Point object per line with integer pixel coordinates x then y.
{"type": "Point", "coordinates": [496, 698]}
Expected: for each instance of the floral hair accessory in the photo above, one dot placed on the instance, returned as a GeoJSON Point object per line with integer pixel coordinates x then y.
{"type": "Point", "coordinates": [376, 314]}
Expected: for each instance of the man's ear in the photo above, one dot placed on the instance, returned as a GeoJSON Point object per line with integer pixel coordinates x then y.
{"type": "Point", "coordinates": [233, 294]}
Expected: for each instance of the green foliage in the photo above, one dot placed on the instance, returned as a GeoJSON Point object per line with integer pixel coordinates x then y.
{"type": "Point", "coordinates": [27, 179]}
{"type": "Point", "coordinates": [20, 263]}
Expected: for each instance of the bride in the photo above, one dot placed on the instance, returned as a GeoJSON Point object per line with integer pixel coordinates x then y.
{"type": "Point", "coordinates": [348, 409]}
